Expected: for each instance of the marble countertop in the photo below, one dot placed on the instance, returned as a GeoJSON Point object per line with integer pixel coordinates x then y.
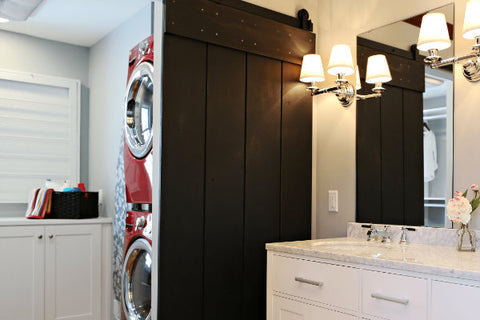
{"type": "Point", "coordinates": [434, 260]}
{"type": "Point", "coordinates": [32, 222]}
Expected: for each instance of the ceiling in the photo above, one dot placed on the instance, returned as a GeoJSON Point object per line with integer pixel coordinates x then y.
{"type": "Point", "coordinates": [79, 22]}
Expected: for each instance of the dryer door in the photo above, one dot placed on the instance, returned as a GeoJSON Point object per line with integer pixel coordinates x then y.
{"type": "Point", "coordinates": [136, 281]}
{"type": "Point", "coordinates": [138, 110]}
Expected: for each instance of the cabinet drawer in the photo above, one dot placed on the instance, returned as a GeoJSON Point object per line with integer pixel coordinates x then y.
{"type": "Point", "coordinates": [393, 296]}
{"type": "Point", "coordinates": [325, 283]}
{"type": "Point", "coordinates": [286, 309]}
{"type": "Point", "coordinates": [454, 301]}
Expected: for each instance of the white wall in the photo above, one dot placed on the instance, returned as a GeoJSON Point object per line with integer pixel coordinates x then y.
{"type": "Point", "coordinates": [108, 77]}
{"type": "Point", "coordinates": [34, 55]}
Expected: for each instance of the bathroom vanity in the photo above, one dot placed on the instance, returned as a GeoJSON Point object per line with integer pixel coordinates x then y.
{"type": "Point", "coordinates": [350, 278]}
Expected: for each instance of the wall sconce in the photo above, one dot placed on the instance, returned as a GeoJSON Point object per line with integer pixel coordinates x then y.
{"type": "Point", "coordinates": [434, 37]}
{"type": "Point", "coordinates": [378, 73]}
{"type": "Point", "coordinates": [341, 65]}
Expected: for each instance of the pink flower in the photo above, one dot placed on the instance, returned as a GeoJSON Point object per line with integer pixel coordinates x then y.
{"type": "Point", "coordinates": [475, 187]}
{"type": "Point", "coordinates": [458, 194]}
{"type": "Point", "coordinates": [459, 209]}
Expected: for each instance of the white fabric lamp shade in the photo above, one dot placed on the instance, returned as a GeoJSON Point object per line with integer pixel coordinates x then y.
{"type": "Point", "coordinates": [341, 61]}
{"type": "Point", "coordinates": [358, 84]}
{"type": "Point", "coordinates": [312, 69]}
{"type": "Point", "coordinates": [471, 24]}
{"type": "Point", "coordinates": [377, 69]}
{"type": "Point", "coordinates": [433, 33]}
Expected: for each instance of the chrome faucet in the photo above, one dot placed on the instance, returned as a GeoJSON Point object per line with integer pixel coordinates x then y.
{"type": "Point", "coordinates": [403, 237]}
{"type": "Point", "coordinates": [386, 234]}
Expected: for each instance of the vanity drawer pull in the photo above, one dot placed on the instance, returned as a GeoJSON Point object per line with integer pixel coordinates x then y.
{"type": "Point", "coordinates": [390, 299]}
{"type": "Point", "coordinates": [311, 282]}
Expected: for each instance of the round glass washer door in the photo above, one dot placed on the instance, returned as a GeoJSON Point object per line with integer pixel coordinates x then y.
{"type": "Point", "coordinates": [138, 110]}
{"type": "Point", "coordinates": [136, 281]}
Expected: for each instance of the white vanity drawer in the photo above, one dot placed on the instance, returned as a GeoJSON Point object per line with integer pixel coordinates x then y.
{"type": "Point", "coordinates": [286, 309]}
{"type": "Point", "coordinates": [454, 301]}
{"type": "Point", "coordinates": [330, 284]}
{"type": "Point", "coordinates": [393, 296]}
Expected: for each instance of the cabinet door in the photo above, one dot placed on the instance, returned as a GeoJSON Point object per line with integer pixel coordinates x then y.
{"type": "Point", "coordinates": [286, 309]}
{"type": "Point", "coordinates": [73, 271]}
{"type": "Point", "coordinates": [21, 273]}
{"type": "Point", "coordinates": [454, 301]}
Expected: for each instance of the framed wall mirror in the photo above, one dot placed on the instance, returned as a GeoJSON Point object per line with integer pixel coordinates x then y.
{"type": "Point", "coordinates": [405, 138]}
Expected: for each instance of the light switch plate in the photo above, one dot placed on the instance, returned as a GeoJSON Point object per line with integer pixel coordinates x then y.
{"type": "Point", "coordinates": [332, 200]}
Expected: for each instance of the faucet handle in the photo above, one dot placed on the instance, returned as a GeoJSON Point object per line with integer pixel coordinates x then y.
{"type": "Point", "coordinates": [387, 234]}
{"type": "Point", "coordinates": [371, 233]}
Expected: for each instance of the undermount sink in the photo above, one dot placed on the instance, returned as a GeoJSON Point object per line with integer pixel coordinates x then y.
{"type": "Point", "coordinates": [385, 251]}
{"type": "Point", "coordinates": [348, 244]}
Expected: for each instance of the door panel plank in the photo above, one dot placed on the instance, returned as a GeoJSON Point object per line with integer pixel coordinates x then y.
{"type": "Point", "coordinates": [262, 177]}
{"type": "Point", "coordinates": [296, 183]}
{"type": "Point", "coordinates": [224, 185]}
{"type": "Point", "coordinates": [392, 156]}
{"type": "Point", "coordinates": [413, 137]}
{"type": "Point", "coordinates": [369, 161]}
{"type": "Point", "coordinates": [182, 198]}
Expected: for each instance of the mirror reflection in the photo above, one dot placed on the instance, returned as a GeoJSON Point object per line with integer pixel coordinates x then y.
{"type": "Point", "coordinates": [416, 114]}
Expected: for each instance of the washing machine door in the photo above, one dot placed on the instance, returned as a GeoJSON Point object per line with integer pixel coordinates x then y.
{"type": "Point", "coordinates": [136, 281]}
{"type": "Point", "coordinates": [138, 110]}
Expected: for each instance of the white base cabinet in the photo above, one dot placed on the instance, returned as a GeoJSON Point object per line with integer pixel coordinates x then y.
{"type": "Point", "coordinates": [286, 309]}
{"type": "Point", "coordinates": [57, 271]}
{"type": "Point", "coordinates": [454, 301]}
{"type": "Point", "coordinates": [22, 266]}
{"type": "Point", "coordinates": [304, 288]}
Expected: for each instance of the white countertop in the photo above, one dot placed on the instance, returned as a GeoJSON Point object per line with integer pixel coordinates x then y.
{"type": "Point", "coordinates": [436, 260]}
{"type": "Point", "coordinates": [33, 222]}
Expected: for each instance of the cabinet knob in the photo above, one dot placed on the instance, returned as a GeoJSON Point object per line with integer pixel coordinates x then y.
{"type": "Point", "coordinates": [40, 237]}
{"type": "Point", "coordinates": [51, 236]}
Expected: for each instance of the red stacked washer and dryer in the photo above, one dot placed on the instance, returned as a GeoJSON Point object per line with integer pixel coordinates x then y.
{"type": "Point", "coordinates": [136, 272]}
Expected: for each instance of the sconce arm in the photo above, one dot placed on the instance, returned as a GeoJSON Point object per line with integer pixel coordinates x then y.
{"type": "Point", "coordinates": [324, 90]}
{"type": "Point", "coordinates": [368, 96]}
{"type": "Point", "coordinates": [343, 90]}
{"type": "Point", "coordinates": [446, 62]}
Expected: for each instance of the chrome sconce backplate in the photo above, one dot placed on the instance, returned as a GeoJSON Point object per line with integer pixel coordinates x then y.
{"type": "Point", "coordinates": [471, 70]}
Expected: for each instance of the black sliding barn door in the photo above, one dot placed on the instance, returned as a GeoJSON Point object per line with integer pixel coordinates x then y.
{"type": "Point", "coordinates": [236, 171]}
{"type": "Point", "coordinates": [389, 143]}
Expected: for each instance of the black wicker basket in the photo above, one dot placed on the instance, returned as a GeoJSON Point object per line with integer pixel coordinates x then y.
{"type": "Point", "coordinates": [74, 205]}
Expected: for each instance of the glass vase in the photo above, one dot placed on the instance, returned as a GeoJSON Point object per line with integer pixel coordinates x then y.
{"type": "Point", "coordinates": [466, 239]}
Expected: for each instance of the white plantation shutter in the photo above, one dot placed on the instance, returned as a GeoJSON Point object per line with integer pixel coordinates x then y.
{"type": "Point", "coordinates": [39, 132]}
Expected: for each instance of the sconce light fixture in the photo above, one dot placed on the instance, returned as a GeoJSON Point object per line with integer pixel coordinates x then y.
{"type": "Point", "coordinates": [341, 65]}
{"type": "Point", "coordinates": [378, 73]}
{"type": "Point", "coordinates": [434, 37]}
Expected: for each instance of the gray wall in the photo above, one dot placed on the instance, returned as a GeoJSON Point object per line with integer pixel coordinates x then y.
{"type": "Point", "coordinates": [29, 54]}
{"type": "Point", "coordinates": [107, 79]}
